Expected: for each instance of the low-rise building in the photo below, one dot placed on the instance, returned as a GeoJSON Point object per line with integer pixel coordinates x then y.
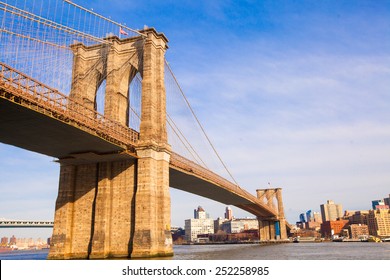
{"type": "Point", "coordinates": [331, 228]}
{"type": "Point", "coordinates": [239, 225]}
{"type": "Point", "coordinates": [357, 231]}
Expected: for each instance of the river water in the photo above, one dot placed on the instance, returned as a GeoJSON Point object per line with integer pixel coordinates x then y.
{"type": "Point", "coordinates": [286, 251]}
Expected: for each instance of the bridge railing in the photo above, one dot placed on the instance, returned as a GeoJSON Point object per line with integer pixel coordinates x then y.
{"type": "Point", "coordinates": [192, 167]}
{"type": "Point", "coordinates": [47, 100]}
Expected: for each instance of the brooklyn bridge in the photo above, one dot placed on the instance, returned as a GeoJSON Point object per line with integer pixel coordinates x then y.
{"type": "Point", "coordinates": [99, 100]}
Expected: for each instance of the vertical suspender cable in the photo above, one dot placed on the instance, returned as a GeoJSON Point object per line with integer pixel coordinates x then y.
{"type": "Point", "coordinates": [200, 125]}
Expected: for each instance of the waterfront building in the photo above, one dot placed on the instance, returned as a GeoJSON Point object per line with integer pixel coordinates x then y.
{"type": "Point", "coordinates": [379, 222]}
{"type": "Point", "coordinates": [302, 218]}
{"type": "Point", "coordinates": [331, 211]}
{"type": "Point", "coordinates": [357, 231]}
{"type": "Point", "coordinates": [200, 224]}
{"type": "Point", "coordinates": [331, 228]}
{"type": "Point", "coordinates": [240, 225]}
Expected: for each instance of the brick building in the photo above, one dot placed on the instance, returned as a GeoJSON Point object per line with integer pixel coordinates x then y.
{"type": "Point", "coordinates": [357, 231]}
{"type": "Point", "coordinates": [331, 228]}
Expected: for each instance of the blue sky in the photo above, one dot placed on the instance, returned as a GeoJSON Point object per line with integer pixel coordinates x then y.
{"type": "Point", "coordinates": [295, 93]}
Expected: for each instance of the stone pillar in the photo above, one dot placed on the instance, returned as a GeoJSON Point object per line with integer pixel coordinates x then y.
{"type": "Point", "coordinates": [282, 219]}
{"type": "Point", "coordinates": [94, 211]}
{"type": "Point", "coordinates": [152, 235]}
{"type": "Point", "coordinates": [114, 211]}
{"type": "Point", "coordinates": [100, 245]}
{"type": "Point", "coordinates": [264, 229]}
{"type": "Point", "coordinates": [60, 247]}
{"type": "Point", "coordinates": [272, 230]}
{"type": "Point", "coordinates": [74, 211]}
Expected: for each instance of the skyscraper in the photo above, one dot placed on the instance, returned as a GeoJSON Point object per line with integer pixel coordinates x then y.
{"type": "Point", "coordinates": [228, 213]}
{"type": "Point", "coordinates": [309, 217]}
{"type": "Point", "coordinates": [331, 211]}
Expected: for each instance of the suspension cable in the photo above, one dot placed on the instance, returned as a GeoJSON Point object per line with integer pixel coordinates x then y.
{"type": "Point", "coordinates": [186, 140]}
{"type": "Point", "coordinates": [105, 18]}
{"type": "Point", "coordinates": [179, 135]}
{"type": "Point", "coordinates": [47, 22]}
{"type": "Point", "coordinates": [34, 39]}
{"type": "Point", "coordinates": [197, 120]}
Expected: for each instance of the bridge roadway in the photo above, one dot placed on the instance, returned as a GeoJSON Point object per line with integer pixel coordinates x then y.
{"type": "Point", "coordinates": [40, 119]}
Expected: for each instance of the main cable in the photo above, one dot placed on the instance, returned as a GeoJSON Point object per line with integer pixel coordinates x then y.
{"type": "Point", "coordinates": [200, 125]}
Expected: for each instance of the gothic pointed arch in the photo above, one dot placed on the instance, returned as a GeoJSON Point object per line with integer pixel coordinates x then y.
{"type": "Point", "coordinates": [88, 72]}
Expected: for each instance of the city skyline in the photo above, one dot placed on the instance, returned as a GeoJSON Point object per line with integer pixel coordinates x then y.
{"type": "Point", "coordinates": [291, 94]}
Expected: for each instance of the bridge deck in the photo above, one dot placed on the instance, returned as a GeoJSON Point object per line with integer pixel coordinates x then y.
{"type": "Point", "coordinates": [49, 136]}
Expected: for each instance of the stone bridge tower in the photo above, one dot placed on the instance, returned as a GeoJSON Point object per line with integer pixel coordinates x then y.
{"type": "Point", "coordinates": [271, 229]}
{"type": "Point", "coordinates": [110, 207]}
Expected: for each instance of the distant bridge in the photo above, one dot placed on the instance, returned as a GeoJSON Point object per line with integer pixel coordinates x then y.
{"type": "Point", "coordinates": [26, 224]}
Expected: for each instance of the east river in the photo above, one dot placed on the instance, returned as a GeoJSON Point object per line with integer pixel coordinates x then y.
{"type": "Point", "coordinates": [287, 251]}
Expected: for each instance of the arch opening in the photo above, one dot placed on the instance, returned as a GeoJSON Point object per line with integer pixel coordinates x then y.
{"type": "Point", "coordinates": [134, 101]}
{"type": "Point", "coordinates": [100, 97]}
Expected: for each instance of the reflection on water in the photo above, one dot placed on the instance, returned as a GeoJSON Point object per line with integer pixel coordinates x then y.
{"type": "Point", "coordinates": [286, 251]}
